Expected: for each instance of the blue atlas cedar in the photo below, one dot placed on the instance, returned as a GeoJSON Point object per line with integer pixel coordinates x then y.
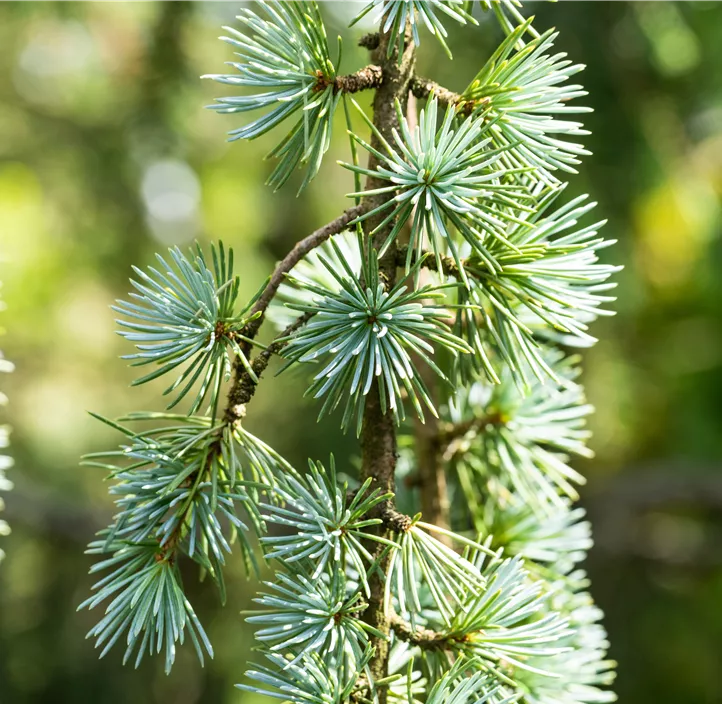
{"type": "Point", "coordinates": [498, 278]}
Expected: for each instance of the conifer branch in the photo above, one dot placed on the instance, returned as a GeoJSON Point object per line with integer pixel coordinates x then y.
{"type": "Point", "coordinates": [378, 436]}
{"type": "Point", "coordinates": [300, 250]}
{"type": "Point", "coordinates": [370, 41]}
{"type": "Point", "coordinates": [244, 386]}
{"type": "Point", "coordinates": [168, 547]}
{"type": "Point", "coordinates": [422, 88]}
{"type": "Point", "coordinates": [434, 492]}
{"type": "Point", "coordinates": [239, 395]}
{"type": "Point", "coordinates": [393, 520]}
{"type": "Point", "coordinates": [364, 79]}
{"type": "Point", "coordinates": [454, 431]}
{"type": "Point", "coordinates": [424, 638]}
{"type": "Point", "coordinates": [467, 195]}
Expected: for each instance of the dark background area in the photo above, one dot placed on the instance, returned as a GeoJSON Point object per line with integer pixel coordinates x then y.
{"type": "Point", "coordinates": [106, 156]}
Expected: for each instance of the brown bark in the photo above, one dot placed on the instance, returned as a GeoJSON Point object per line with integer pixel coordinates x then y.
{"type": "Point", "coordinates": [370, 41]}
{"type": "Point", "coordinates": [378, 435]}
{"type": "Point", "coordinates": [424, 638]}
{"type": "Point", "coordinates": [423, 87]}
{"type": "Point", "coordinates": [243, 386]}
{"type": "Point", "coordinates": [367, 77]}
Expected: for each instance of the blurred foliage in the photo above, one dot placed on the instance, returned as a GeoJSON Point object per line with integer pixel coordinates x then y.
{"type": "Point", "coordinates": [106, 155]}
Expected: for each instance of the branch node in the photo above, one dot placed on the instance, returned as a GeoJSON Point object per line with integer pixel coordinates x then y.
{"type": "Point", "coordinates": [423, 87]}
{"type": "Point", "coordinates": [424, 638]}
{"type": "Point", "coordinates": [239, 411]}
{"type": "Point", "coordinates": [396, 521]}
{"type": "Point", "coordinates": [370, 41]}
{"type": "Point", "coordinates": [368, 77]}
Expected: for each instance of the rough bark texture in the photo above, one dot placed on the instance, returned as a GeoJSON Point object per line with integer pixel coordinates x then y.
{"type": "Point", "coordinates": [243, 386]}
{"type": "Point", "coordinates": [367, 77]}
{"type": "Point", "coordinates": [423, 87]}
{"type": "Point", "coordinates": [378, 436]}
{"type": "Point", "coordinates": [370, 41]}
{"type": "Point", "coordinates": [424, 638]}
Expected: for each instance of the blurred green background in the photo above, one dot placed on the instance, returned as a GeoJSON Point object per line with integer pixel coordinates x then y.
{"type": "Point", "coordinates": [106, 156]}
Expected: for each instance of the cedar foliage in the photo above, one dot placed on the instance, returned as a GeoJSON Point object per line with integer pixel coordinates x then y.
{"type": "Point", "coordinates": [437, 318]}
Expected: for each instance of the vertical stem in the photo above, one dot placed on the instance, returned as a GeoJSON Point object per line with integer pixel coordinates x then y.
{"type": "Point", "coordinates": [431, 477]}
{"type": "Point", "coordinates": [378, 435]}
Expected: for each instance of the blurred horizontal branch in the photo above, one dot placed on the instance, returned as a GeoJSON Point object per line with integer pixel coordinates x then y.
{"type": "Point", "coordinates": [50, 512]}
{"type": "Point", "coordinates": [667, 513]}
{"type": "Point", "coordinates": [619, 508]}
{"type": "Point", "coordinates": [640, 489]}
